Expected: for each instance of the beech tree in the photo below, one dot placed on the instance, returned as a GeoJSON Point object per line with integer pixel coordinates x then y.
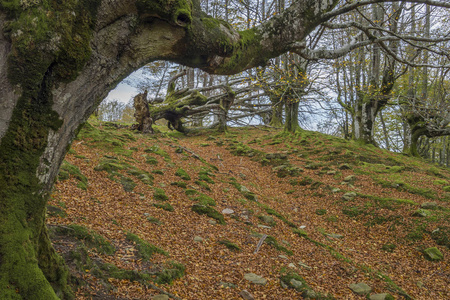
{"type": "Point", "coordinates": [58, 61]}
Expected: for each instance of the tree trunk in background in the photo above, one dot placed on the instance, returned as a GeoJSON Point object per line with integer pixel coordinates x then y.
{"type": "Point", "coordinates": [225, 104]}
{"type": "Point", "coordinates": [291, 122]}
{"type": "Point", "coordinates": [142, 113]}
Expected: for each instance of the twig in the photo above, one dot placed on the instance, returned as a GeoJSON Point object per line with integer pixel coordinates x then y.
{"type": "Point", "coordinates": [261, 241]}
{"type": "Point", "coordinates": [192, 152]}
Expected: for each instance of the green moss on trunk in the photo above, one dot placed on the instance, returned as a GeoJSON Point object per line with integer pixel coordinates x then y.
{"type": "Point", "coordinates": [50, 42]}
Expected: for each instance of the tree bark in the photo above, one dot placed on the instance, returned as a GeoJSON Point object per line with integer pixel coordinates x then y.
{"type": "Point", "coordinates": [55, 72]}
{"type": "Point", "coordinates": [142, 113]}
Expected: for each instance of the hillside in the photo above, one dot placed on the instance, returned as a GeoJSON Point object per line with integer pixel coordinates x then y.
{"type": "Point", "coordinates": [131, 213]}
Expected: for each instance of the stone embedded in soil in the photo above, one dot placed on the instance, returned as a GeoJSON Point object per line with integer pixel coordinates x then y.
{"type": "Point", "coordinates": [334, 235]}
{"type": "Point", "coordinates": [429, 205]}
{"type": "Point", "coordinates": [160, 297]}
{"type": "Point", "coordinates": [228, 211]}
{"type": "Point", "coordinates": [344, 167]}
{"type": "Point", "coordinates": [227, 284]}
{"type": "Point", "coordinates": [264, 226]}
{"type": "Point", "coordinates": [244, 189]}
{"type": "Point", "coordinates": [256, 279]}
{"type": "Point", "coordinates": [350, 178]}
{"type": "Point", "coordinates": [310, 294]}
{"type": "Point", "coordinates": [349, 196]}
{"type": "Point", "coordinates": [433, 254]}
{"type": "Point", "coordinates": [296, 284]}
{"type": "Point", "coordinates": [198, 239]}
{"type": "Point", "coordinates": [212, 222]}
{"type": "Point", "coordinates": [360, 288]}
{"type": "Point", "coordinates": [291, 265]}
{"type": "Point", "coordinates": [383, 296]}
{"type": "Point", "coordinates": [301, 264]}
{"type": "Point", "coordinates": [246, 295]}
{"type": "Point", "coordinates": [267, 219]}
{"type": "Point", "coordinates": [421, 213]}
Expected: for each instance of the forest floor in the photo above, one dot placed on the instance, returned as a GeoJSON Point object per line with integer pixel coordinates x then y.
{"type": "Point", "coordinates": [137, 216]}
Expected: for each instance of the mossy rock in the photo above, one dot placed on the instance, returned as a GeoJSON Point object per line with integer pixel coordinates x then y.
{"type": "Point", "coordinates": [433, 254]}
{"type": "Point", "coordinates": [68, 169]}
{"type": "Point", "coordinates": [63, 175]}
{"type": "Point", "coordinates": [209, 211]}
{"type": "Point", "coordinates": [268, 220]}
{"type": "Point", "coordinates": [160, 195]}
{"type": "Point", "coordinates": [313, 166]}
{"type": "Point", "coordinates": [281, 217]}
{"type": "Point", "coordinates": [321, 211]}
{"type": "Point", "coordinates": [300, 232]}
{"type": "Point", "coordinates": [172, 271]}
{"type": "Point", "coordinates": [106, 271]}
{"type": "Point", "coordinates": [89, 237]}
{"type": "Point", "coordinates": [230, 245]}
{"type": "Point", "coordinates": [206, 178]}
{"type": "Point", "coordinates": [295, 281]}
{"type": "Point", "coordinates": [166, 206]}
{"type": "Point", "coordinates": [145, 249]}
{"type": "Point", "coordinates": [151, 160]}
{"type": "Point", "coordinates": [442, 236]}
{"type": "Point", "coordinates": [422, 213]}
{"type": "Point", "coordinates": [270, 240]}
{"type": "Point", "coordinates": [54, 211]}
{"type": "Point", "coordinates": [305, 181]}
{"type": "Point", "coordinates": [127, 183]}
{"type": "Point", "coordinates": [287, 170]}
{"type": "Point", "coordinates": [183, 174]}
{"type": "Point", "coordinates": [250, 196]}
{"type": "Point", "coordinates": [180, 184]}
{"type": "Point", "coordinates": [157, 150]}
{"type": "Point", "coordinates": [190, 192]}
{"type": "Point", "coordinates": [109, 165]}
{"type": "Point", "coordinates": [154, 220]}
{"type": "Point", "coordinates": [205, 200]}
{"type": "Point", "coordinates": [203, 185]}
{"type": "Point", "coordinates": [440, 182]}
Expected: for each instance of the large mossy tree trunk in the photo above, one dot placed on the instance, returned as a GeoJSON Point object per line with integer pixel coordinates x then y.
{"type": "Point", "coordinates": [58, 61]}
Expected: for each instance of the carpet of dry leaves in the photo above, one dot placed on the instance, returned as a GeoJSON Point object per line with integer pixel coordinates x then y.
{"type": "Point", "coordinates": [106, 208]}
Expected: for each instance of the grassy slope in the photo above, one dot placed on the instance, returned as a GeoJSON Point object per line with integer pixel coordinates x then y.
{"type": "Point", "coordinates": [134, 185]}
